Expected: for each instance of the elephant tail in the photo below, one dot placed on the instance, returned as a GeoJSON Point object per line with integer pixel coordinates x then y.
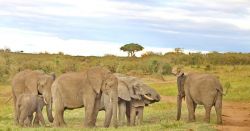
{"type": "Point", "coordinates": [227, 87]}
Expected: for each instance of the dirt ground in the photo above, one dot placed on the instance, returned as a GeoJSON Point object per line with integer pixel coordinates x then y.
{"type": "Point", "coordinates": [235, 115]}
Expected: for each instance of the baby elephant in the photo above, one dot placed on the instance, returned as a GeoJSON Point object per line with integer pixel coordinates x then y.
{"type": "Point", "coordinates": [27, 104]}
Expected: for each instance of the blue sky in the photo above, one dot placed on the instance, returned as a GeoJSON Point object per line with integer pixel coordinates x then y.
{"type": "Point", "coordinates": [98, 27]}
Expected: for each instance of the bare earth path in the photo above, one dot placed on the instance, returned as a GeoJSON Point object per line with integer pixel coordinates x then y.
{"type": "Point", "coordinates": [235, 115]}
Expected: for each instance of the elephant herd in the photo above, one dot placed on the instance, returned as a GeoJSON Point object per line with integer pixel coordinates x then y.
{"type": "Point", "coordinates": [96, 89]}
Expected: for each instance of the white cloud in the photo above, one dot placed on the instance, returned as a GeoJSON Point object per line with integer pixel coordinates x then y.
{"type": "Point", "coordinates": [223, 11]}
{"type": "Point", "coordinates": [187, 13]}
{"type": "Point", "coordinates": [36, 42]}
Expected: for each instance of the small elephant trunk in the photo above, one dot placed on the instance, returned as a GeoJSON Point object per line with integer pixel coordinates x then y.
{"type": "Point", "coordinates": [181, 94]}
{"type": "Point", "coordinates": [114, 100]}
{"type": "Point", "coordinates": [49, 112]}
{"type": "Point", "coordinates": [179, 104]}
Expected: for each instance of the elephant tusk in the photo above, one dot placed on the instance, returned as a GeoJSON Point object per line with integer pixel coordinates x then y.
{"type": "Point", "coordinates": [45, 101]}
{"type": "Point", "coordinates": [147, 97]}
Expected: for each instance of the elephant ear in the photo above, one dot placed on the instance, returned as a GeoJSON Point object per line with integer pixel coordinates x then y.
{"type": "Point", "coordinates": [53, 75]}
{"type": "Point", "coordinates": [41, 82]}
{"type": "Point", "coordinates": [31, 84]}
{"type": "Point", "coordinates": [95, 78]}
{"type": "Point", "coordinates": [31, 81]}
{"type": "Point", "coordinates": [123, 91]}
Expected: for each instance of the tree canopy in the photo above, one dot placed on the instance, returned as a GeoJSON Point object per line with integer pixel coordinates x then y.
{"type": "Point", "coordinates": [131, 48]}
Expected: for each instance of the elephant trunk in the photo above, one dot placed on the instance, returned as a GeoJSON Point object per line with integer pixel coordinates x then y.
{"type": "Point", "coordinates": [179, 104]}
{"type": "Point", "coordinates": [181, 94]}
{"type": "Point", "coordinates": [49, 111]}
{"type": "Point", "coordinates": [114, 100]}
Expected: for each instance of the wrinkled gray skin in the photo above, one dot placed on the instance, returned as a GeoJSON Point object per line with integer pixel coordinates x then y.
{"type": "Point", "coordinates": [84, 89]}
{"type": "Point", "coordinates": [203, 89]}
{"type": "Point", "coordinates": [27, 104]}
{"type": "Point", "coordinates": [131, 92]}
{"type": "Point", "coordinates": [33, 82]}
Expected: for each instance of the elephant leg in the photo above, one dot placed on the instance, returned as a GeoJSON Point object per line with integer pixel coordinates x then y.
{"type": "Point", "coordinates": [96, 110]}
{"type": "Point", "coordinates": [40, 117]}
{"type": "Point", "coordinates": [89, 102]}
{"type": "Point", "coordinates": [23, 116]}
{"type": "Point", "coordinates": [190, 106]}
{"type": "Point", "coordinates": [59, 111]}
{"type": "Point", "coordinates": [140, 114]}
{"type": "Point", "coordinates": [16, 114]}
{"type": "Point", "coordinates": [195, 105]}
{"type": "Point", "coordinates": [59, 117]}
{"type": "Point", "coordinates": [218, 108]}
{"type": "Point", "coordinates": [27, 122]}
{"type": "Point", "coordinates": [132, 115]}
{"type": "Point", "coordinates": [122, 112]}
{"type": "Point", "coordinates": [208, 111]}
{"type": "Point", "coordinates": [108, 115]}
{"type": "Point", "coordinates": [36, 120]}
{"type": "Point", "coordinates": [128, 110]}
{"type": "Point", "coordinates": [30, 117]}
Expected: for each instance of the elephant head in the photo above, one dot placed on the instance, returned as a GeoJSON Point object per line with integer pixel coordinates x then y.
{"type": "Point", "coordinates": [132, 87]}
{"type": "Point", "coordinates": [150, 95]}
{"type": "Point", "coordinates": [44, 88]}
{"type": "Point", "coordinates": [103, 81]}
{"type": "Point", "coordinates": [181, 92]}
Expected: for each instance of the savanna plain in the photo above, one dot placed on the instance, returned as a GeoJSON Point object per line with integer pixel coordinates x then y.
{"type": "Point", "coordinates": [153, 69]}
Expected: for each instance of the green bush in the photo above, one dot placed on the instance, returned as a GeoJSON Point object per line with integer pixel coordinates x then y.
{"type": "Point", "coordinates": [166, 69]}
{"type": "Point", "coordinates": [208, 68]}
{"type": "Point", "coordinates": [153, 66]}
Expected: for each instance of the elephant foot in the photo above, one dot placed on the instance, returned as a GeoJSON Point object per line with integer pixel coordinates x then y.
{"type": "Point", "coordinates": [206, 120]}
{"type": "Point", "coordinates": [132, 125]}
{"type": "Point", "coordinates": [57, 124]}
{"type": "Point", "coordinates": [91, 126]}
{"type": "Point", "coordinates": [219, 122]}
{"type": "Point", "coordinates": [191, 120]}
{"type": "Point", "coordinates": [16, 123]}
{"type": "Point", "coordinates": [35, 124]}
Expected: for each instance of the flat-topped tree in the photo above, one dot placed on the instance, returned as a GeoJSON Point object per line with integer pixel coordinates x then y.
{"type": "Point", "coordinates": [131, 48]}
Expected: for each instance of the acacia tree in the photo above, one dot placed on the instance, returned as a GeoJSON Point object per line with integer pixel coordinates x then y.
{"type": "Point", "coordinates": [131, 48]}
{"type": "Point", "coordinates": [178, 50]}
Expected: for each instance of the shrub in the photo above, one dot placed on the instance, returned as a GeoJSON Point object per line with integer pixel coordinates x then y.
{"type": "Point", "coordinates": [153, 66]}
{"type": "Point", "coordinates": [166, 69]}
{"type": "Point", "coordinates": [208, 68]}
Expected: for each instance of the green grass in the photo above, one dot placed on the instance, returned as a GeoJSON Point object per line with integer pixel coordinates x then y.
{"type": "Point", "coordinates": [159, 116]}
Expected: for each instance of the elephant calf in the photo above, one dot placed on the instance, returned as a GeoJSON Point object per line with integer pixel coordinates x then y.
{"type": "Point", "coordinates": [135, 112]}
{"type": "Point", "coordinates": [27, 104]}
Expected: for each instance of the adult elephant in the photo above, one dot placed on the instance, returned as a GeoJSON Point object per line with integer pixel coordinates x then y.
{"type": "Point", "coordinates": [84, 89]}
{"type": "Point", "coordinates": [131, 91]}
{"type": "Point", "coordinates": [203, 89]}
{"type": "Point", "coordinates": [33, 82]}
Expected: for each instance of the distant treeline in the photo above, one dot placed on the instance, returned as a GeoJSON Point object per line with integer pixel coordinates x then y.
{"type": "Point", "coordinates": [150, 63]}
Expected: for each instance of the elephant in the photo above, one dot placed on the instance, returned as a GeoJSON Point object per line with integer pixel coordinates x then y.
{"type": "Point", "coordinates": [133, 95]}
{"type": "Point", "coordinates": [33, 82]}
{"type": "Point", "coordinates": [84, 89]}
{"type": "Point", "coordinates": [134, 112]}
{"type": "Point", "coordinates": [202, 89]}
{"type": "Point", "coordinates": [27, 104]}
